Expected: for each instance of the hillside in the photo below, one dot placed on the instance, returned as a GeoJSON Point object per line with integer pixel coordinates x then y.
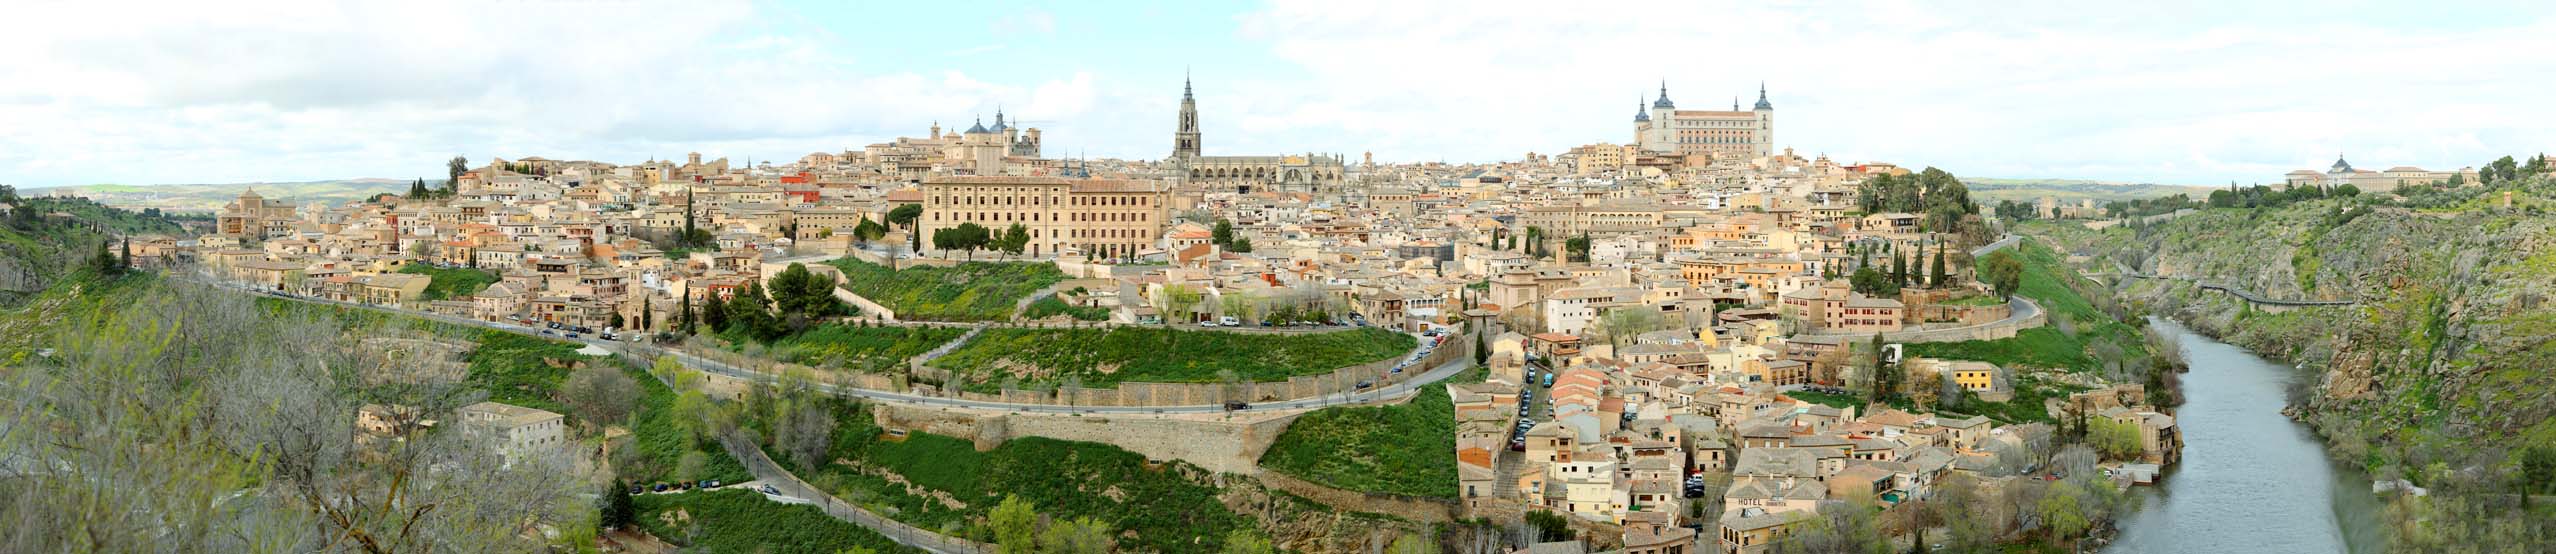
{"type": "Point", "coordinates": [199, 198]}
{"type": "Point", "coordinates": [1990, 191]}
{"type": "Point", "coordinates": [43, 240]}
{"type": "Point", "coordinates": [2439, 375]}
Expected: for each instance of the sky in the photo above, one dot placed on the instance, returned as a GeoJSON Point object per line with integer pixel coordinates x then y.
{"type": "Point", "coordinates": [2167, 91]}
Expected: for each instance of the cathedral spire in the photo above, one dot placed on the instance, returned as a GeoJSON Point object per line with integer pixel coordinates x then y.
{"type": "Point", "coordinates": [1761, 97]}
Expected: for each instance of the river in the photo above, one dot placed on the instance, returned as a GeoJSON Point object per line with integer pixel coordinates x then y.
{"type": "Point", "coordinates": [2251, 480]}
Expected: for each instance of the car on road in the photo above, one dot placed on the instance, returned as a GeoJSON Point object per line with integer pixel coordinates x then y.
{"type": "Point", "coordinates": [549, 333]}
{"type": "Point", "coordinates": [572, 335]}
{"type": "Point", "coordinates": [1364, 385]}
{"type": "Point", "coordinates": [1229, 321]}
{"type": "Point", "coordinates": [767, 489]}
{"type": "Point", "coordinates": [1236, 405]}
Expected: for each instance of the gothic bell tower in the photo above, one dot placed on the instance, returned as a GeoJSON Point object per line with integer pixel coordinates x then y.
{"type": "Point", "coordinates": [1185, 140]}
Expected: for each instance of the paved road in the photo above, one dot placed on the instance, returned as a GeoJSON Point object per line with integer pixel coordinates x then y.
{"type": "Point", "coordinates": [722, 368]}
{"type": "Point", "coordinates": [1983, 251]}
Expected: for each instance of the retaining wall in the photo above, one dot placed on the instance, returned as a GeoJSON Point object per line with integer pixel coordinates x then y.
{"type": "Point", "coordinates": [1230, 445]}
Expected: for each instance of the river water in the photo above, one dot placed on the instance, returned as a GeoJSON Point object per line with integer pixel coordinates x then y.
{"type": "Point", "coordinates": [2251, 480]}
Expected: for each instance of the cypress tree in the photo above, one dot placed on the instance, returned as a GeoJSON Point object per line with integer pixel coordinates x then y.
{"type": "Point", "coordinates": [124, 262]}
{"type": "Point", "coordinates": [1940, 278]}
{"type": "Point", "coordinates": [684, 318]}
{"type": "Point", "coordinates": [714, 314]}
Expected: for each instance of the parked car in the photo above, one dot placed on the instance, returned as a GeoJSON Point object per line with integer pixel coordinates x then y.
{"type": "Point", "coordinates": [767, 489]}
{"type": "Point", "coordinates": [1363, 385]}
{"type": "Point", "coordinates": [1229, 321]}
{"type": "Point", "coordinates": [1236, 405]}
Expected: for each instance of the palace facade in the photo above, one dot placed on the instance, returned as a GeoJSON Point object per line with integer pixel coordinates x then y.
{"type": "Point", "coordinates": [1105, 218]}
{"type": "Point", "coordinates": [1734, 134]}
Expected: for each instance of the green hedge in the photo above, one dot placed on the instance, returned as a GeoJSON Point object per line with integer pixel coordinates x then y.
{"type": "Point", "coordinates": [1406, 449]}
{"type": "Point", "coordinates": [970, 291]}
{"type": "Point", "coordinates": [1170, 507]}
{"type": "Point", "coordinates": [868, 349]}
{"type": "Point", "coordinates": [734, 520]}
{"type": "Point", "coordinates": [1106, 357]}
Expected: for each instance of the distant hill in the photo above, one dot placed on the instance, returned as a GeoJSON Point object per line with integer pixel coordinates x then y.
{"type": "Point", "coordinates": [184, 198]}
{"type": "Point", "coordinates": [1991, 190]}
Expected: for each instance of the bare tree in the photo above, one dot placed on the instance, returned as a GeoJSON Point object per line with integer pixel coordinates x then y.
{"type": "Point", "coordinates": [600, 393]}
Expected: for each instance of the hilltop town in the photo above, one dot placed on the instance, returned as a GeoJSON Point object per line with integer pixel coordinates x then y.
{"type": "Point", "coordinates": [1694, 341]}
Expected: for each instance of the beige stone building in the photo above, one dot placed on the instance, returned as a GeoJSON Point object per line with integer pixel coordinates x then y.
{"type": "Point", "coordinates": [1099, 217]}
{"type": "Point", "coordinates": [1733, 134]}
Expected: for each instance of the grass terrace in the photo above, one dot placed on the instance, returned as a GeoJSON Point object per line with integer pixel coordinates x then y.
{"type": "Point", "coordinates": [859, 348]}
{"type": "Point", "coordinates": [736, 520]}
{"type": "Point", "coordinates": [516, 369]}
{"type": "Point", "coordinates": [944, 483]}
{"type": "Point", "coordinates": [2046, 280]}
{"type": "Point", "coordinates": [446, 284]}
{"type": "Point", "coordinates": [969, 291]}
{"type": "Point", "coordinates": [1105, 357]}
{"type": "Point", "coordinates": [1406, 449]}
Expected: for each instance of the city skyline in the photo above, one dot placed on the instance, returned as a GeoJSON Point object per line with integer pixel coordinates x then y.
{"type": "Point", "coordinates": [2189, 94]}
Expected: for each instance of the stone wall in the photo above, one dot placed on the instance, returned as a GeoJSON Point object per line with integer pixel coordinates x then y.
{"type": "Point", "coordinates": [1414, 508]}
{"type": "Point", "coordinates": [1232, 444]}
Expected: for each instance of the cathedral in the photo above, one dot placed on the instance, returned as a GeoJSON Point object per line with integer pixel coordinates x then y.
{"type": "Point", "coordinates": [1734, 134]}
{"type": "Point", "coordinates": [1245, 174]}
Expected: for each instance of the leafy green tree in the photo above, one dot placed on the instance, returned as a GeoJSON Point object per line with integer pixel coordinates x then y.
{"type": "Point", "coordinates": [453, 170]}
{"type": "Point", "coordinates": [1223, 235]}
{"type": "Point", "coordinates": [1240, 246]}
{"type": "Point", "coordinates": [1412, 544]}
{"type": "Point", "coordinates": [2119, 441]}
{"type": "Point", "coordinates": [1871, 282]}
{"type": "Point", "coordinates": [1549, 527]}
{"type": "Point", "coordinates": [2003, 272]}
{"type": "Point", "coordinates": [750, 314]}
{"type": "Point", "coordinates": [801, 294]}
{"type": "Point", "coordinates": [1243, 541]}
{"type": "Point", "coordinates": [1082, 535]}
{"type": "Point", "coordinates": [616, 511]}
{"type": "Point", "coordinates": [1015, 240]}
{"type": "Point", "coordinates": [904, 215]}
{"type": "Point", "coordinates": [714, 313]}
{"type": "Point", "coordinates": [1015, 525]}
{"type": "Point", "coordinates": [2063, 513]}
{"type": "Point", "coordinates": [1577, 248]}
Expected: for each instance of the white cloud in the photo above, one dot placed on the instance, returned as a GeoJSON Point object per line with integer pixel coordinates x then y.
{"type": "Point", "coordinates": [195, 92]}
{"type": "Point", "coordinates": [1991, 89]}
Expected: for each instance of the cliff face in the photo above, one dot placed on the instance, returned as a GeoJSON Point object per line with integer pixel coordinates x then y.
{"type": "Point", "coordinates": [2447, 356]}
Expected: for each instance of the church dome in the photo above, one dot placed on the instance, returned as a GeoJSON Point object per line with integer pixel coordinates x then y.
{"type": "Point", "coordinates": [979, 127]}
{"type": "Point", "coordinates": [2340, 166]}
{"type": "Point", "coordinates": [1639, 115]}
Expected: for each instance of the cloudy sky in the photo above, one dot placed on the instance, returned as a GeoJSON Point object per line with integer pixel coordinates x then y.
{"type": "Point", "coordinates": [2161, 91]}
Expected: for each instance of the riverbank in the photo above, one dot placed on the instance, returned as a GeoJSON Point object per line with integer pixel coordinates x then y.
{"type": "Point", "coordinates": [2251, 479]}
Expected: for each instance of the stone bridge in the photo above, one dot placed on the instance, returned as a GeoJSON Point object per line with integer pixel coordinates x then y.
{"type": "Point", "coordinates": [2273, 305]}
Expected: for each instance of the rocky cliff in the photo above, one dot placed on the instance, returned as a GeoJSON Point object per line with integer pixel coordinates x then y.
{"type": "Point", "coordinates": [2443, 372]}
